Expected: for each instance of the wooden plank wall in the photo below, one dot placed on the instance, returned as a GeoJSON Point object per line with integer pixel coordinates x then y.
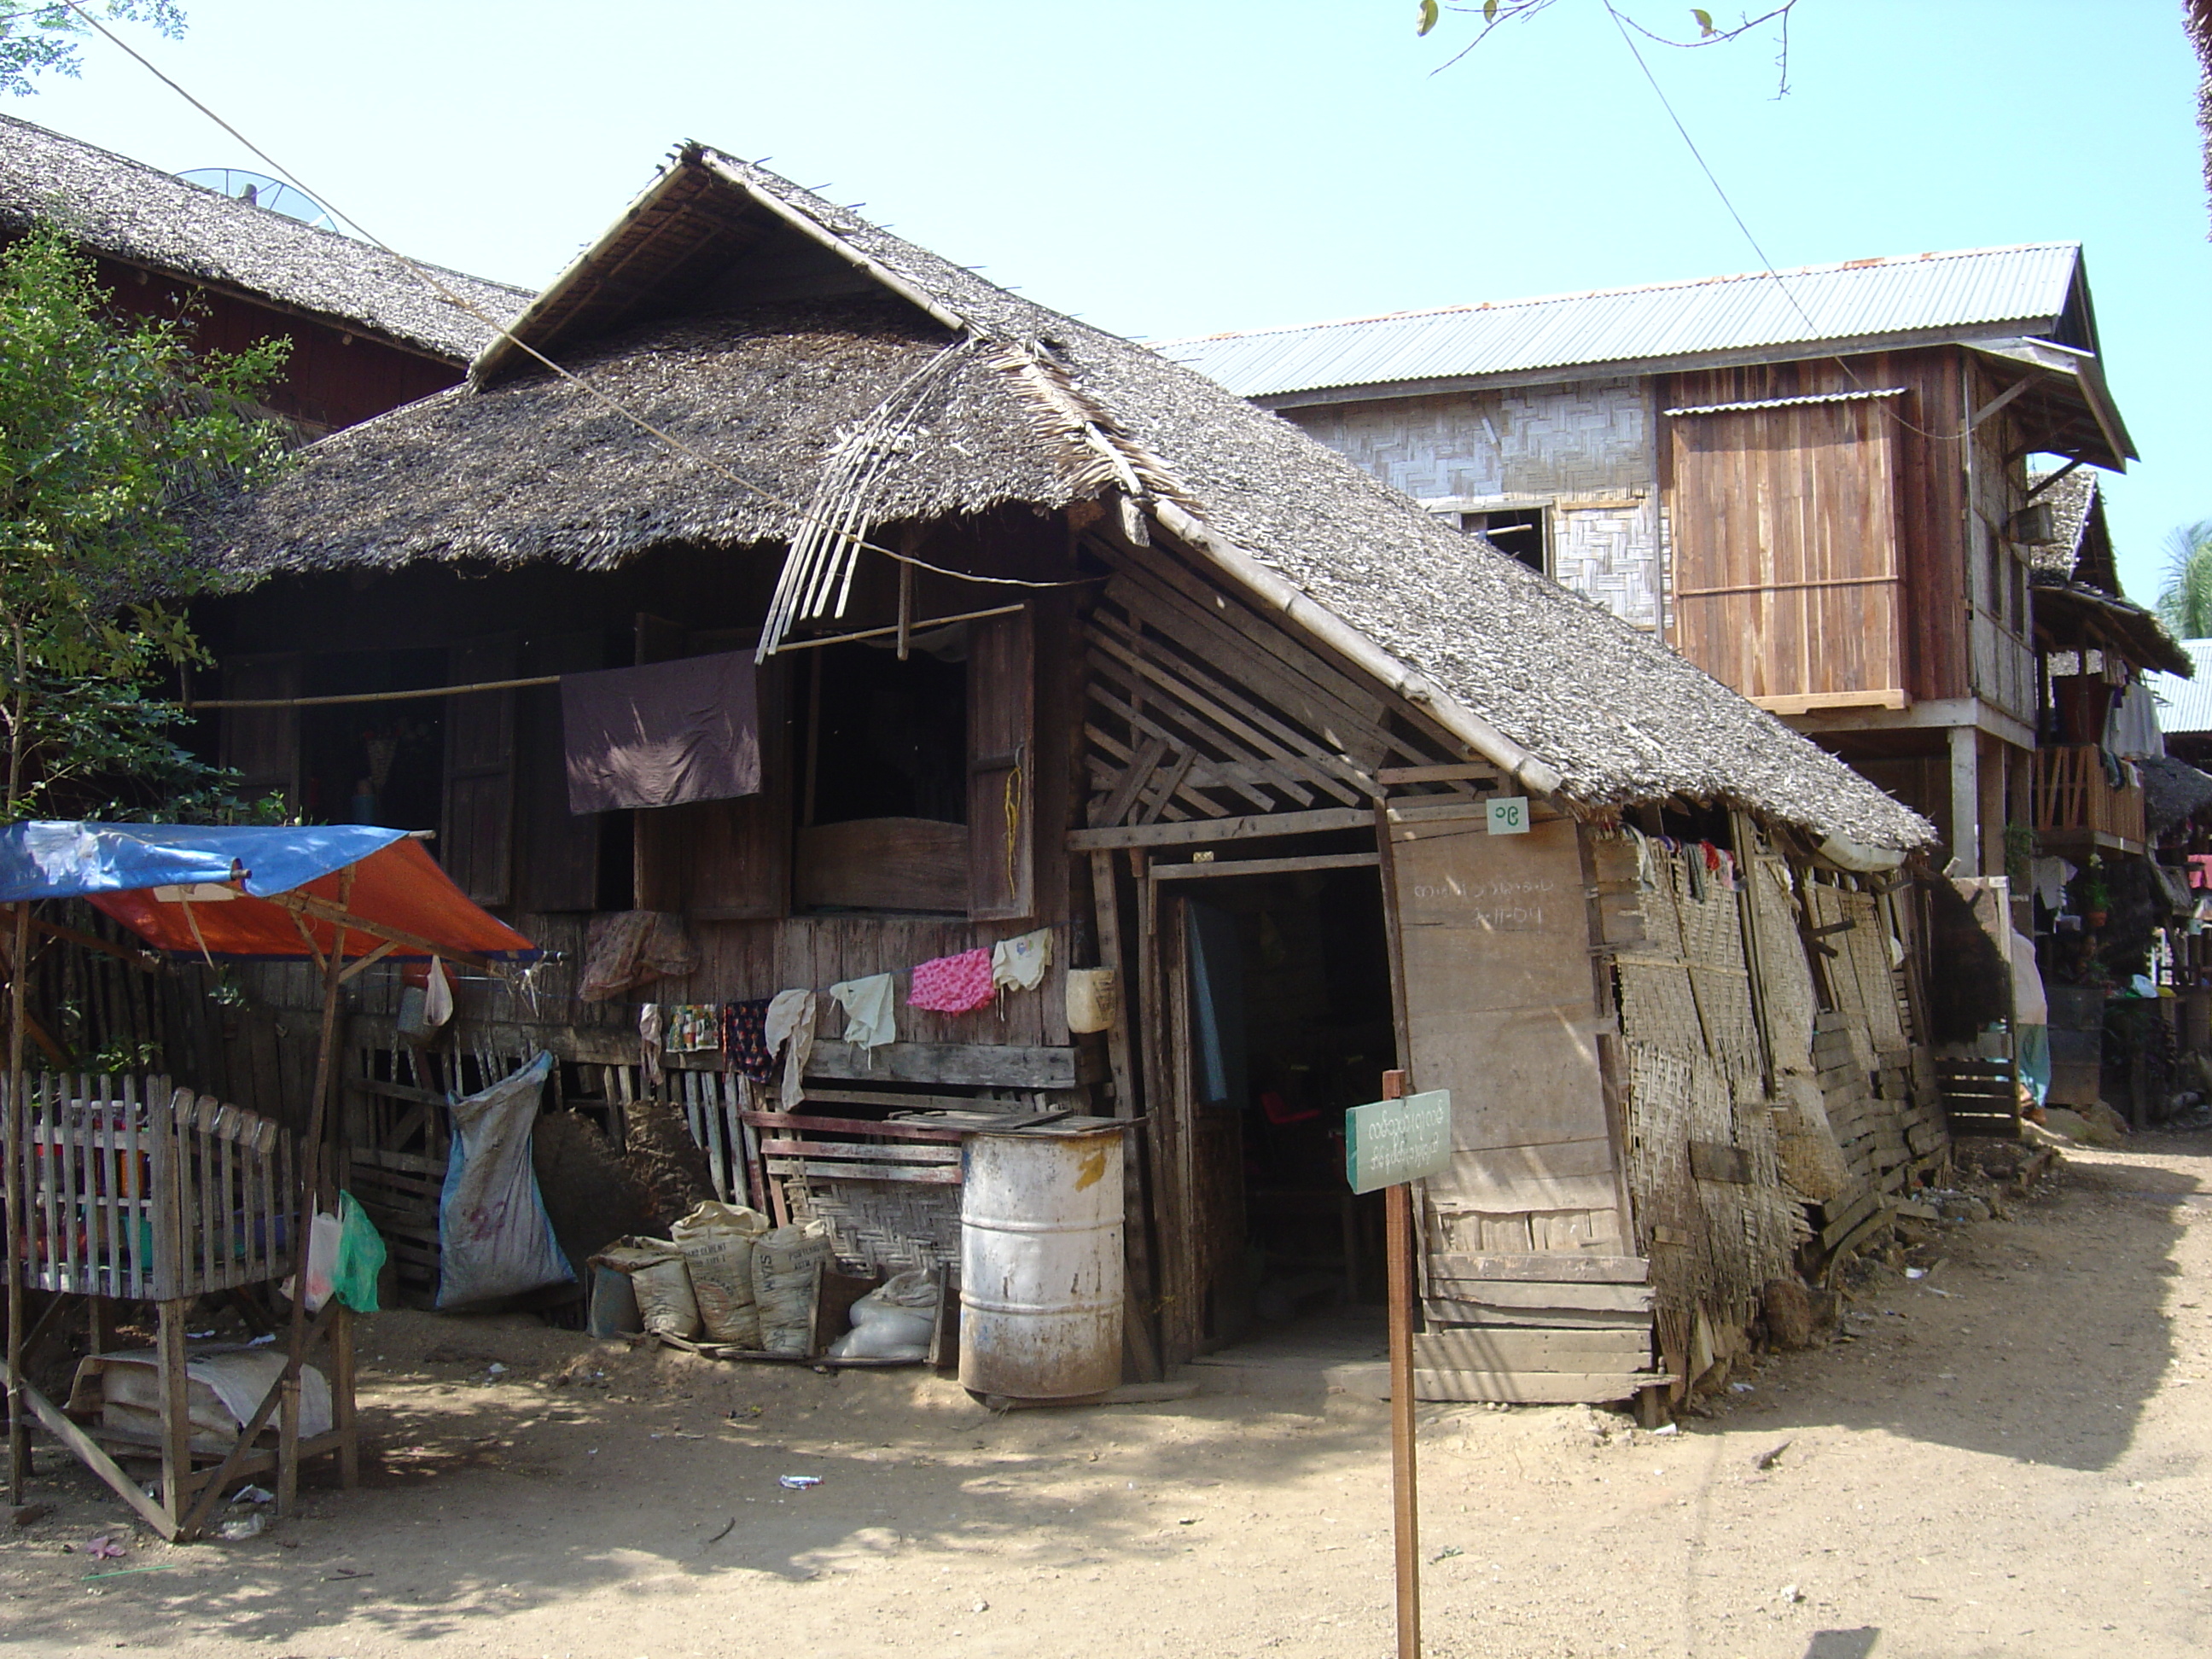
{"type": "Point", "coordinates": [1788, 570]}
{"type": "Point", "coordinates": [1532, 1291]}
{"type": "Point", "coordinates": [1929, 482]}
{"type": "Point", "coordinates": [2001, 629]}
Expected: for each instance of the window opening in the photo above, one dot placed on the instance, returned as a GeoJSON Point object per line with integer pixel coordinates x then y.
{"type": "Point", "coordinates": [1518, 530]}
{"type": "Point", "coordinates": [381, 763]}
{"type": "Point", "coordinates": [885, 738]}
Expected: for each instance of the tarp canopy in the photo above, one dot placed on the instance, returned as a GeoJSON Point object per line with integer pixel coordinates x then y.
{"type": "Point", "coordinates": [257, 892]}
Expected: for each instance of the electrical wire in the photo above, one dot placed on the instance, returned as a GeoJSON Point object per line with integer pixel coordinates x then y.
{"type": "Point", "coordinates": [1622, 25]}
{"type": "Point", "coordinates": [430, 279]}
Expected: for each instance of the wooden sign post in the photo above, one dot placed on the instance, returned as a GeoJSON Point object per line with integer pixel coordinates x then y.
{"type": "Point", "coordinates": [1399, 1139]}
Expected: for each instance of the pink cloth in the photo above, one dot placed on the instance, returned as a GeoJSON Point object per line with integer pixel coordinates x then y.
{"type": "Point", "coordinates": [952, 985]}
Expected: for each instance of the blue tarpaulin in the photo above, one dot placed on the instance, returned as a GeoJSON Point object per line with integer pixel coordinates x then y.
{"type": "Point", "coordinates": [42, 860]}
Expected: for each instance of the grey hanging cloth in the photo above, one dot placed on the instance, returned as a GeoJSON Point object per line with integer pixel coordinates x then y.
{"type": "Point", "coordinates": [662, 734]}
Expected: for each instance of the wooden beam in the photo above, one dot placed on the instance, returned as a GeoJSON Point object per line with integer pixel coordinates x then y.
{"type": "Point", "coordinates": [1319, 821]}
{"type": "Point", "coordinates": [1468, 772]}
{"type": "Point", "coordinates": [338, 916]}
{"type": "Point", "coordinates": [1557, 1266]}
{"type": "Point", "coordinates": [1265, 866]}
{"type": "Point", "coordinates": [976, 1065]}
{"type": "Point", "coordinates": [1810, 702]}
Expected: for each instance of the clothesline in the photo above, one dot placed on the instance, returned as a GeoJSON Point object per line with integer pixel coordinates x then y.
{"type": "Point", "coordinates": [751, 1032]}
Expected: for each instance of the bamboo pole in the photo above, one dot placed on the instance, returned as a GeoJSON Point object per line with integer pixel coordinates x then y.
{"type": "Point", "coordinates": [1405, 1506]}
{"type": "Point", "coordinates": [19, 1427]}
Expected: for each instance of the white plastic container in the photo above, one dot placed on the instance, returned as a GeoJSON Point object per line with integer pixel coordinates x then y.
{"type": "Point", "coordinates": [1040, 1283]}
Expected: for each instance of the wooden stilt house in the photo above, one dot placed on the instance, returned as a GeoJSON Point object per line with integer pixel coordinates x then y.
{"type": "Point", "coordinates": [1041, 632]}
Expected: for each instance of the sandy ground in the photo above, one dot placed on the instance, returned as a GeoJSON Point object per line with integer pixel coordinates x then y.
{"type": "Point", "coordinates": [2005, 1459]}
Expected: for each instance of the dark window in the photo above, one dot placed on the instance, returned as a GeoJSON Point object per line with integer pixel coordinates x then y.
{"type": "Point", "coordinates": [885, 739]}
{"type": "Point", "coordinates": [1518, 530]}
{"type": "Point", "coordinates": [372, 762]}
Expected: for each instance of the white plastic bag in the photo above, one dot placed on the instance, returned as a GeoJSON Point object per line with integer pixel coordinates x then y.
{"type": "Point", "coordinates": [895, 1321]}
{"type": "Point", "coordinates": [494, 1239]}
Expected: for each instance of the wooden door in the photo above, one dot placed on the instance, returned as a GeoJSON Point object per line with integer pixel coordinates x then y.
{"type": "Point", "coordinates": [477, 842]}
{"type": "Point", "coordinates": [1786, 559]}
{"type": "Point", "coordinates": [1001, 767]}
{"type": "Point", "coordinates": [1499, 1009]}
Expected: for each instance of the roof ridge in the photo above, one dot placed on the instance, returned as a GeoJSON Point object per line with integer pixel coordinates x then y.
{"type": "Point", "coordinates": [1473, 307]}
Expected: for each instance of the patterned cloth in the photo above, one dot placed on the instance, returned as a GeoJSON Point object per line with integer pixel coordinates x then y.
{"type": "Point", "coordinates": [952, 985]}
{"type": "Point", "coordinates": [1018, 963]}
{"type": "Point", "coordinates": [690, 1027]}
{"type": "Point", "coordinates": [745, 1039]}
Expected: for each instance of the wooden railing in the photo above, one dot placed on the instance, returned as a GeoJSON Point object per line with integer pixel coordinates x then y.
{"type": "Point", "coordinates": [2072, 792]}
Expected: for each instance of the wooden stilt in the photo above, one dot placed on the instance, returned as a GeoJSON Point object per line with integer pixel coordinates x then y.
{"type": "Point", "coordinates": [17, 1198]}
{"type": "Point", "coordinates": [176, 1409]}
{"type": "Point", "coordinates": [343, 1416]}
{"type": "Point", "coordinates": [1405, 1502]}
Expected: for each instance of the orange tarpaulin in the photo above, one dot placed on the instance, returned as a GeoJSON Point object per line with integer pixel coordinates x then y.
{"type": "Point", "coordinates": [398, 890]}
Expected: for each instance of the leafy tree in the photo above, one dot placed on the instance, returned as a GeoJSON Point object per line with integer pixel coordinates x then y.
{"type": "Point", "coordinates": [37, 35]}
{"type": "Point", "coordinates": [109, 427]}
{"type": "Point", "coordinates": [2185, 606]}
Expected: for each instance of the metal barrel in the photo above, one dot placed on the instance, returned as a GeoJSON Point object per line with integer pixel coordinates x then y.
{"type": "Point", "coordinates": [1040, 1286]}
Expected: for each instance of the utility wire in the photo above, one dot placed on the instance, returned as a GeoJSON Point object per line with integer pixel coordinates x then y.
{"type": "Point", "coordinates": [430, 279]}
{"type": "Point", "coordinates": [1712, 178]}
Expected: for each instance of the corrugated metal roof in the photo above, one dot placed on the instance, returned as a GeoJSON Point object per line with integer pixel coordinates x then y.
{"type": "Point", "coordinates": [1865, 297]}
{"type": "Point", "coordinates": [2185, 705]}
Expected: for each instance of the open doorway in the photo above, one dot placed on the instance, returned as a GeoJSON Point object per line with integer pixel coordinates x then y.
{"type": "Point", "coordinates": [1286, 984]}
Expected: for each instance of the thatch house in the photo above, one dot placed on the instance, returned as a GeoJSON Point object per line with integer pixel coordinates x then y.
{"type": "Point", "coordinates": [367, 334]}
{"type": "Point", "coordinates": [1118, 656]}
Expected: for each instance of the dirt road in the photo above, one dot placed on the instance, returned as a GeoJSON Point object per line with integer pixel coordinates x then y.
{"type": "Point", "coordinates": [2006, 1459]}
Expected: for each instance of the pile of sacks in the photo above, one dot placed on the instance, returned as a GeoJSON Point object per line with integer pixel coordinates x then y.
{"type": "Point", "coordinates": [726, 1274]}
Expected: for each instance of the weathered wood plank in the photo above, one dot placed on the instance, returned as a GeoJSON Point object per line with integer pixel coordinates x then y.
{"type": "Point", "coordinates": [1544, 1266]}
{"type": "Point", "coordinates": [1552, 1294]}
{"type": "Point", "coordinates": [1527, 1349]}
{"type": "Point", "coordinates": [971, 1065]}
{"type": "Point", "coordinates": [1534, 1388]}
{"type": "Point", "coordinates": [1319, 821]}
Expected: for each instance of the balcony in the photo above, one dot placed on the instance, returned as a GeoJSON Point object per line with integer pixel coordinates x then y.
{"type": "Point", "coordinates": [2076, 805]}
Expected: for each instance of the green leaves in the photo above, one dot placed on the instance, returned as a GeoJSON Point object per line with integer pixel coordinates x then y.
{"type": "Point", "coordinates": [1704, 22]}
{"type": "Point", "coordinates": [108, 426]}
{"type": "Point", "coordinates": [2185, 604]}
{"type": "Point", "coordinates": [41, 35]}
{"type": "Point", "coordinates": [1429, 15]}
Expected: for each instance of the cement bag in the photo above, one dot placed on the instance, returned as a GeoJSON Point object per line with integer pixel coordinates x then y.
{"type": "Point", "coordinates": [787, 1263]}
{"type": "Point", "coordinates": [717, 1243]}
{"type": "Point", "coordinates": [494, 1239]}
{"type": "Point", "coordinates": [895, 1321]}
{"type": "Point", "coordinates": [665, 1303]}
{"type": "Point", "coordinates": [1093, 999]}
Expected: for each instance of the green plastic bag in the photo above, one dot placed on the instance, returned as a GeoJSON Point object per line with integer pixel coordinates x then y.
{"type": "Point", "coordinates": [360, 1257]}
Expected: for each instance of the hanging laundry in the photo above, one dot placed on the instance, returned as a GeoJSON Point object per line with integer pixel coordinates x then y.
{"type": "Point", "coordinates": [625, 949]}
{"type": "Point", "coordinates": [648, 1040]}
{"type": "Point", "coordinates": [693, 1028]}
{"type": "Point", "coordinates": [745, 1039]}
{"type": "Point", "coordinates": [867, 1004]}
{"type": "Point", "coordinates": [2049, 876]}
{"type": "Point", "coordinates": [1017, 964]}
{"type": "Point", "coordinates": [790, 1026]}
{"type": "Point", "coordinates": [952, 985]}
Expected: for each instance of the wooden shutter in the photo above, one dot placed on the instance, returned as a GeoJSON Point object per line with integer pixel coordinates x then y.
{"type": "Point", "coordinates": [556, 859]}
{"type": "Point", "coordinates": [1787, 572]}
{"type": "Point", "coordinates": [476, 843]}
{"type": "Point", "coordinates": [262, 745]}
{"type": "Point", "coordinates": [1001, 767]}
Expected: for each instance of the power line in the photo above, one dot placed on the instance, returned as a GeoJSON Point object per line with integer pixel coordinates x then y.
{"type": "Point", "coordinates": [1620, 24]}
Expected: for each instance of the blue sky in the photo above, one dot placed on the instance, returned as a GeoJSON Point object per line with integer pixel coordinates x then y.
{"type": "Point", "coordinates": [1165, 168]}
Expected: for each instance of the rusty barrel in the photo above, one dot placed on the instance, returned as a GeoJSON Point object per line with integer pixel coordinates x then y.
{"type": "Point", "coordinates": [1040, 1286]}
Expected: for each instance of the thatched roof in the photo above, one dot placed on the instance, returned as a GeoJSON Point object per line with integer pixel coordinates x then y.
{"type": "Point", "coordinates": [2172, 790]}
{"type": "Point", "coordinates": [128, 211]}
{"type": "Point", "coordinates": [2080, 547]}
{"type": "Point", "coordinates": [517, 467]}
{"type": "Point", "coordinates": [2078, 598]}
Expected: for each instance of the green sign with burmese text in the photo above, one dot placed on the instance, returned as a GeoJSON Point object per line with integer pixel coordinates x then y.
{"type": "Point", "coordinates": [1394, 1141]}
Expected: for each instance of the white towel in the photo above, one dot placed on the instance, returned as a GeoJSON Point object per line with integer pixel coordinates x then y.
{"type": "Point", "coordinates": [790, 1018]}
{"type": "Point", "coordinates": [1017, 964]}
{"type": "Point", "coordinates": [867, 1006]}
